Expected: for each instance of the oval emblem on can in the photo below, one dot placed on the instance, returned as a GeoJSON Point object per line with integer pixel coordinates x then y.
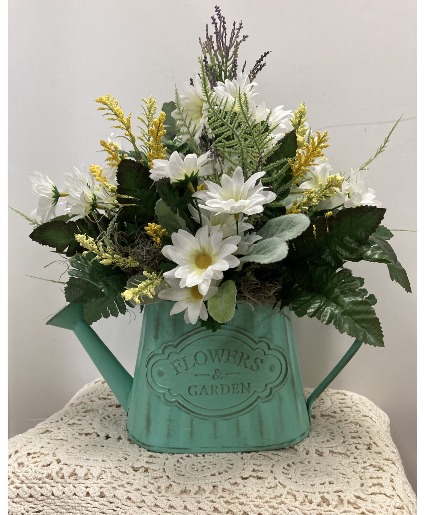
{"type": "Point", "coordinates": [217, 375]}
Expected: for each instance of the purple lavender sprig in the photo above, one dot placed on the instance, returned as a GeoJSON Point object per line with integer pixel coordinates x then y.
{"type": "Point", "coordinates": [220, 50]}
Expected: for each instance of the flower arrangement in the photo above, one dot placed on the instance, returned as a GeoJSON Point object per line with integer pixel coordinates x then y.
{"type": "Point", "coordinates": [217, 199]}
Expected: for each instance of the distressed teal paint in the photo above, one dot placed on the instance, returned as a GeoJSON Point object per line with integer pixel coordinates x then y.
{"type": "Point", "coordinates": [194, 390]}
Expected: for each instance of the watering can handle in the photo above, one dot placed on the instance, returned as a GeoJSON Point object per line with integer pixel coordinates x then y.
{"type": "Point", "coordinates": [333, 373]}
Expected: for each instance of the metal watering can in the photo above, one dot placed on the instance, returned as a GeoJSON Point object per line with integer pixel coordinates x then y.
{"type": "Point", "coordinates": [195, 391]}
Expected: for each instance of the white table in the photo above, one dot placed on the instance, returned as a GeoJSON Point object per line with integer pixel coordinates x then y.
{"type": "Point", "coordinates": [79, 461]}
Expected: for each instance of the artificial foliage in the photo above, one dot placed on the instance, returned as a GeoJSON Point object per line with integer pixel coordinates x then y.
{"type": "Point", "coordinates": [217, 199]}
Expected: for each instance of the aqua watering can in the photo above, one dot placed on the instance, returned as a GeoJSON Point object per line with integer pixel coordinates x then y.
{"type": "Point", "coordinates": [194, 391]}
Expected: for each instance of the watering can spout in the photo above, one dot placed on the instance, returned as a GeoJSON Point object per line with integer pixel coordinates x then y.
{"type": "Point", "coordinates": [68, 317]}
{"type": "Point", "coordinates": [119, 380]}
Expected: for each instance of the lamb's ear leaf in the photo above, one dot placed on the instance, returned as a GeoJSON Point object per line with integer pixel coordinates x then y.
{"type": "Point", "coordinates": [287, 227]}
{"type": "Point", "coordinates": [275, 233]}
{"type": "Point", "coordinates": [222, 306]}
{"type": "Point", "coordinates": [266, 251]}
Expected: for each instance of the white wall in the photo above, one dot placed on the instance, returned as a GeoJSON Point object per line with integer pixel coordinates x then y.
{"type": "Point", "coordinates": [352, 62]}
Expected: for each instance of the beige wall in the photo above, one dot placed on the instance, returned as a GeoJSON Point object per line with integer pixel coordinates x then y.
{"type": "Point", "coordinates": [353, 62]}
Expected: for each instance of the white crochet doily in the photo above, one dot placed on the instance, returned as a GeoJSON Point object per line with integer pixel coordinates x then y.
{"type": "Point", "coordinates": [79, 461]}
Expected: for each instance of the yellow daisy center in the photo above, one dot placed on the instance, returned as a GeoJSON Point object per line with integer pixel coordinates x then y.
{"type": "Point", "coordinates": [195, 293]}
{"type": "Point", "coordinates": [203, 260]}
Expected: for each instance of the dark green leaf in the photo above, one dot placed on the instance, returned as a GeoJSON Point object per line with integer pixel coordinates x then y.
{"type": "Point", "coordinates": [399, 274]}
{"type": "Point", "coordinates": [104, 308]}
{"type": "Point", "coordinates": [60, 233]}
{"type": "Point", "coordinates": [80, 291]}
{"type": "Point", "coordinates": [372, 253]}
{"type": "Point", "coordinates": [172, 194]}
{"type": "Point", "coordinates": [384, 233]}
{"type": "Point", "coordinates": [340, 299]}
{"type": "Point", "coordinates": [284, 150]}
{"type": "Point", "coordinates": [211, 324]}
{"type": "Point", "coordinates": [136, 192]}
{"type": "Point", "coordinates": [167, 218]}
{"type": "Point", "coordinates": [55, 234]}
{"type": "Point", "coordinates": [170, 123]}
{"type": "Point", "coordinates": [61, 218]}
{"type": "Point", "coordinates": [378, 250]}
{"type": "Point", "coordinates": [287, 147]}
{"type": "Point", "coordinates": [177, 198]}
{"type": "Point", "coordinates": [97, 286]}
{"type": "Point", "coordinates": [338, 238]}
{"type": "Point", "coordinates": [278, 172]}
{"type": "Point", "coordinates": [166, 266]}
{"type": "Point", "coordinates": [383, 244]}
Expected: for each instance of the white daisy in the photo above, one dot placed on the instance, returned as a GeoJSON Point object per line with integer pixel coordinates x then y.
{"type": "Point", "coordinates": [358, 192]}
{"type": "Point", "coordinates": [193, 104]}
{"type": "Point", "coordinates": [48, 194]}
{"type": "Point", "coordinates": [235, 195]}
{"type": "Point", "coordinates": [178, 169]}
{"type": "Point", "coordinates": [85, 194]}
{"type": "Point", "coordinates": [278, 119]}
{"type": "Point", "coordinates": [229, 91]}
{"type": "Point", "coordinates": [189, 300]}
{"type": "Point", "coordinates": [224, 221]}
{"type": "Point", "coordinates": [201, 258]}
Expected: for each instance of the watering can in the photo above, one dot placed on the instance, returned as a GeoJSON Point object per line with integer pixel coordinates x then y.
{"type": "Point", "coordinates": [195, 391]}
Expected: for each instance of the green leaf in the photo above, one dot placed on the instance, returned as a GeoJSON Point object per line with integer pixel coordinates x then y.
{"type": "Point", "coordinates": [177, 198]}
{"type": "Point", "coordinates": [170, 123]}
{"type": "Point", "coordinates": [278, 172]}
{"type": "Point", "coordinates": [136, 192]}
{"type": "Point", "coordinates": [384, 246]}
{"type": "Point", "coordinates": [81, 291]}
{"type": "Point", "coordinates": [372, 252]}
{"type": "Point", "coordinates": [340, 299]}
{"type": "Point", "coordinates": [399, 274]}
{"type": "Point", "coordinates": [285, 149]}
{"type": "Point", "coordinates": [60, 234]}
{"type": "Point", "coordinates": [266, 251]}
{"type": "Point", "coordinates": [211, 324]}
{"type": "Point", "coordinates": [176, 146]}
{"type": "Point", "coordinates": [384, 233]}
{"type": "Point", "coordinates": [286, 227]}
{"type": "Point", "coordinates": [56, 234]}
{"type": "Point", "coordinates": [275, 233]}
{"type": "Point", "coordinates": [222, 306]}
{"type": "Point", "coordinates": [378, 250]}
{"type": "Point", "coordinates": [104, 308]}
{"type": "Point", "coordinates": [168, 218]}
{"type": "Point", "coordinates": [97, 286]}
{"type": "Point", "coordinates": [338, 238]}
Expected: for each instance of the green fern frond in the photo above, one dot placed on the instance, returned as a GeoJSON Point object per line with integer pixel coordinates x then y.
{"type": "Point", "coordinates": [237, 137]}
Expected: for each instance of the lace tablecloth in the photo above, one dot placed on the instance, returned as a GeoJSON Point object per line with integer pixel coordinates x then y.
{"type": "Point", "coordinates": [79, 461]}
